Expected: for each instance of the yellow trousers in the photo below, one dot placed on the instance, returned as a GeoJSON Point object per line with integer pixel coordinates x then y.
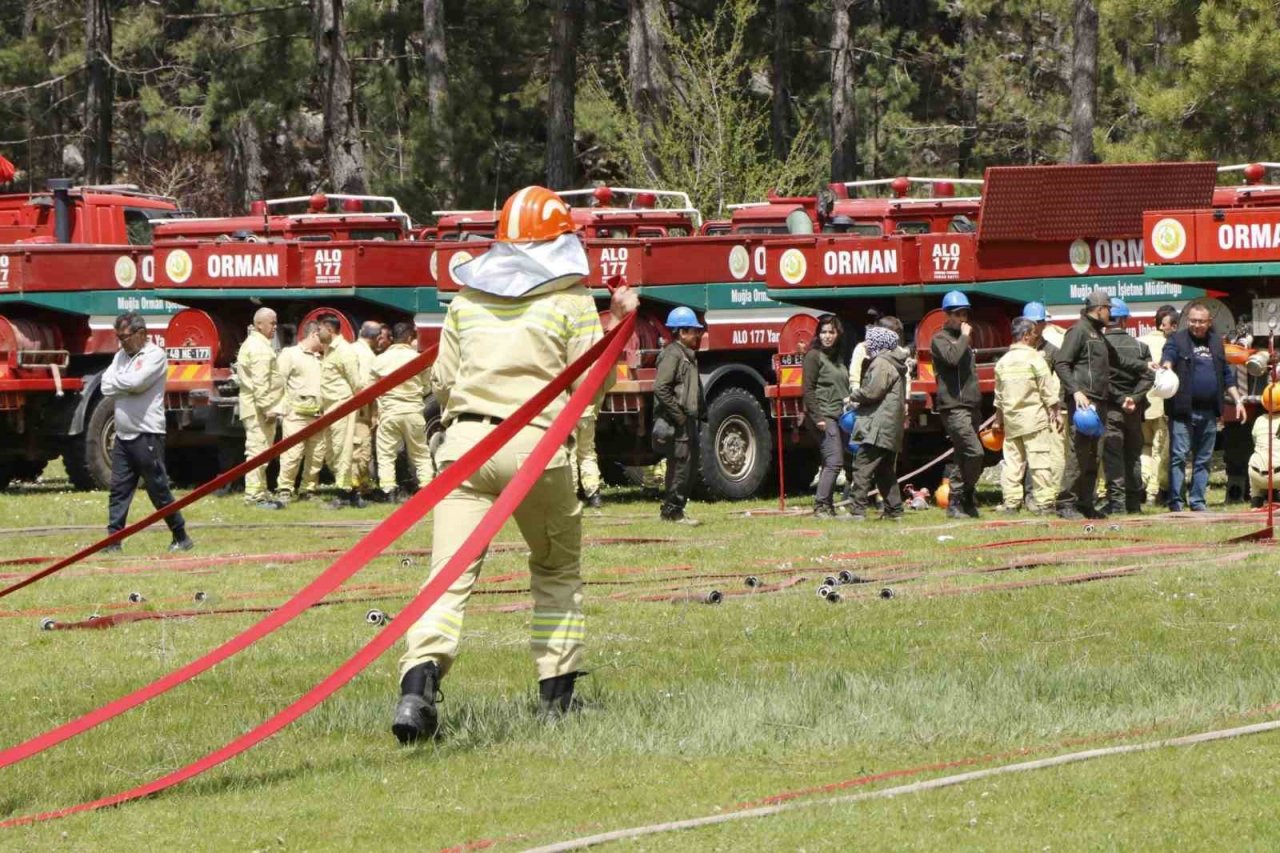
{"type": "Point", "coordinates": [361, 451]}
{"type": "Point", "coordinates": [339, 442]}
{"type": "Point", "coordinates": [550, 520]}
{"type": "Point", "coordinates": [586, 470]}
{"type": "Point", "coordinates": [1036, 452]}
{"type": "Point", "coordinates": [1155, 456]}
{"type": "Point", "coordinates": [411, 431]}
{"type": "Point", "coordinates": [307, 456]}
{"type": "Point", "coordinates": [259, 434]}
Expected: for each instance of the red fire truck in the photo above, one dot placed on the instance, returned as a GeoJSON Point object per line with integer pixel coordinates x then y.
{"type": "Point", "coordinates": [1048, 234]}
{"type": "Point", "coordinates": [71, 259]}
{"type": "Point", "coordinates": [1229, 247]}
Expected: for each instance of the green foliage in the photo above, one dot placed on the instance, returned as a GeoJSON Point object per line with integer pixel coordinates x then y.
{"type": "Point", "coordinates": [713, 141]}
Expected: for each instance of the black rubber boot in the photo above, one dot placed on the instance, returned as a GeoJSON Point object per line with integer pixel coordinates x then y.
{"type": "Point", "coordinates": [416, 716]}
{"type": "Point", "coordinates": [555, 695]}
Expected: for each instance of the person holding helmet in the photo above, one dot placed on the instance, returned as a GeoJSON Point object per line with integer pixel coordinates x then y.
{"type": "Point", "coordinates": [1155, 425]}
{"type": "Point", "coordinates": [1122, 441]}
{"type": "Point", "coordinates": [826, 385]}
{"type": "Point", "coordinates": [1084, 368]}
{"type": "Point", "coordinates": [959, 402]}
{"type": "Point", "coordinates": [679, 408]}
{"type": "Point", "coordinates": [522, 316]}
{"type": "Point", "coordinates": [1027, 412]}
{"type": "Point", "coordinates": [1199, 358]}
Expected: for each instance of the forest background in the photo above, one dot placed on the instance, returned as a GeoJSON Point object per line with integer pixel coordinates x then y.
{"type": "Point", "coordinates": [455, 104]}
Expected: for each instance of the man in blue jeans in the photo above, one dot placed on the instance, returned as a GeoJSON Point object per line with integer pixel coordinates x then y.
{"type": "Point", "coordinates": [1196, 354]}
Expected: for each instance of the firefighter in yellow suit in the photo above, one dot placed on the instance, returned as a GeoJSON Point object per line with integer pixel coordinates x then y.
{"type": "Point", "coordinates": [365, 422]}
{"type": "Point", "coordinates": [339, 382]}
{"type": "Point", "coordinates": [300, 369]}
{"type": "Point", "coordinates": [400, 418]}
{"type": "Point", "coordinates": [260, 392]}
{"type": "Point", "coordinates": [521, 318]}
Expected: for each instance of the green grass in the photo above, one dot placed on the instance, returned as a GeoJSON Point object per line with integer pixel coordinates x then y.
{"type": "Point", "coordinates": [691, 709]}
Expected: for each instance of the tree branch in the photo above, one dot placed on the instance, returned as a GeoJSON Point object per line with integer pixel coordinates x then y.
{"type": "Point", "coordinates": [257, 10]}
{"type": "Point", "coordinates": [51, 82]}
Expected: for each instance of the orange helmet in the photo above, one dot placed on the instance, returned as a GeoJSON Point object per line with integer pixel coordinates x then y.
{"type": "Point", "coordinates": [1236, 354]}
{"type": "Point", "coordinates": [534, 215]}
{"type": "Point", "coordinates": [942, 494]}
{"type": "Point", "coordinates": [992, 439]}
{"type": "Point", "coordinates": [1271, 398]}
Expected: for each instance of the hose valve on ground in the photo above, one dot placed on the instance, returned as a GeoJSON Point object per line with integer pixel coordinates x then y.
{"type": "Point", "coordinates": [136, 598]}
{"type": "Point", "coordinates": [847, 576]}
{"type": "Point", "coordinates": [48, 623]}
{"type": "Point", "coordinates": [376, 617]}
{"type": "Point", "coordinates": [751, 581]}
{"type": "Point", "coordinates": [201, 596]}
{"type": "Point", "coordinates": [406, 562]}
{"type": "Point", "coordinates": [833, 597]}
{"type": "Point", "coordinates": [887, 592]}
{"type": "Point", "coordinates": [830, 580]}
{"type": "Point", "coordinates": [824, 591]}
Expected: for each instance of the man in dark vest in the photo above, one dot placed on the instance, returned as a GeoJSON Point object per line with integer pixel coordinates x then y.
{"type": "Point", "coordinates": [1122, 441]}
{"type": "Point", "coordinates": [958, 401]}
{"type": "Point", "coordinates": [1197, 355]}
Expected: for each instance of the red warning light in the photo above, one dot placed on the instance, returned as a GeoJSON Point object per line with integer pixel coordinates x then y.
{"type": "Point", "coordinates": [257, 207]}
{"type": "Point", "coordinates": [646, 200]}
{"type": "Point", "coordinates": [944, 189]}
{"type": "Point", "coordinates": [603, 196]}
{"type": "Point", "coordinates": [318, 203]}
{"type": "Point", "coordinates": [352, 205]}
{"type": "Point", "coordinates": [900, 186]}
{"type": "Point", "coordinates": [1254, 173]}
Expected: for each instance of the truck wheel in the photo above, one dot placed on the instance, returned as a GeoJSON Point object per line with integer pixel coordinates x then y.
{"type": "Point", "coordinates": [88, 456]}
{"type": "Point", "coordinates": [735, 445]}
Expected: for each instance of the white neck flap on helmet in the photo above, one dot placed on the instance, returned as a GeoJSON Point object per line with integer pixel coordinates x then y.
{"type": "Point", "coordinates": [520, 269]}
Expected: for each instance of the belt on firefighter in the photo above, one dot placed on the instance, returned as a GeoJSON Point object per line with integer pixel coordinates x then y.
{"type": "Point", "coordinates": [477, 419]}
{"type": "Point", "coordinates": [601, 359]}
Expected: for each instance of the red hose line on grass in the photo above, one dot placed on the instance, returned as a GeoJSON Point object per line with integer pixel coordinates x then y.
{"type": "Point", "coordinates": [602, 357]}
{"type": "Point", "coordinates": [407, 371]}
{"type": "Point", "coordinates": [404, 517]}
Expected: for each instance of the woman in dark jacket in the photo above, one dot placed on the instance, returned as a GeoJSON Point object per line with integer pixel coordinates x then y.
{"type": "Point", "coordinates": [826, 385]}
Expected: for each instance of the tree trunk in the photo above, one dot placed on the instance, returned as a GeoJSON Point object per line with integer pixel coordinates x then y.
{"type": "Point", "coordinates": [844, 143]}
{"type": "Point", "coordinates": [98, 100]}
{"type": "Point", "coordinates": [649, 71]}
{"type": "Point", "coordinates": [780, 117]}
{"type": "Point", "coordinates": [344, 152]}
{"type": "Point", "coordinates": [436, 63]}
{"type": "Point", "coordinates": [566, 27]}
{"type": "Point", "coordinates": [1084, 81]}
{"type": "Point", "coordinates": [244, 165]}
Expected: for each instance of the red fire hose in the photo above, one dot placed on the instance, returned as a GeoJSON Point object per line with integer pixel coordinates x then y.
{"type": "Point", "coordinates": [407, 371]}
{"type": "Point", "coordinates": [602, 357]}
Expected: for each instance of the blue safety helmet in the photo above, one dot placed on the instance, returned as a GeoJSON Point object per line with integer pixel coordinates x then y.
{"type": "Point", "coordinates": [683, 318]}
{"type": "Point", "coordinates": [1087, 422]}
{"type": "Point", "coordinates": [1035, 312]}
{"type": "Point", "coordinates": [954, 299]}
{"type": "Point", "coordinates": [847, 420]}
{"type": "Point", "coordinates": [853, 445]}
{"type": "Point", "coordinates": [1119, 309]}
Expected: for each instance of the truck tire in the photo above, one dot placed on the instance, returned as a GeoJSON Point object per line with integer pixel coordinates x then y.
{"type": "Point", "coordinates": [736, 445]}
{"type": "Point", "coordinates": [88, 455]}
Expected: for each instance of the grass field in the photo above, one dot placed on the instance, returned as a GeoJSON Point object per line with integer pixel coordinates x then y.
{"type": "Point", "coordinates": [981, 658]}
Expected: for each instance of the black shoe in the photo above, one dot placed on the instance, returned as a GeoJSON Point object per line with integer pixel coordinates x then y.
{"type": "Point", "coordinates": [181, 543]}
{"type": "Point", "coordinates": [399, 496]}
{"type": "Point", "coordinates": [378, 496]}
{"type": "Point", "coordinates": [954, 511]}
{"type": "Point", "coordinates": [1255, 502]}
{"type": "Point", "coordinates": [823, 511]}
{"type": "Point", "coordinates": [357, 501]}
{"type": "Point", "coordinates": [266, 503]}
{"type": "Point", "coordinates": [1070, 513]}
{"type": "Point", "coordinates": [681, 518]}
{"type": "Point", "coordinates": [594, 501]}
{"type": "Point", "coordinates": [1093, 513]}
{"type": "Point", "coordinates": [113, 548]}
{"type": "Point", "coordinates": [416, 716]}
{"type": "Point", "coordinates": [555, 695]}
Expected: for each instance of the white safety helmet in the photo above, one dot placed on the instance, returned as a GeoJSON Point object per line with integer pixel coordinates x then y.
{"type": "Point", "coordinates": [1165, 384]}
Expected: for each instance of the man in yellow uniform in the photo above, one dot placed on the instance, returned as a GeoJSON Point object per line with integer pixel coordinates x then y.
{"type": "Point", "coordinates": [339, 382]}
{"type": "Point", "coordinates": [1027, 410]}
{"type": "Point", "coordinates": [300, 370]}
{"type": "Point", "coordinates": [366, 418]}
{"type": "Point", "coordinates": [260, 392]}
{"type": "Point", "coordinates": [586, 467]}
{"type": "Point", "coordinates": [521, 318]}
{"type": "Point", "coordinates": [1155, 425]}
{"type": "Point", "coordinates": [400, 418]}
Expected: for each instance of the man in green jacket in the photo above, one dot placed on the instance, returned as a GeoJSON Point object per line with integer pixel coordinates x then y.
{"type": "Point", "coordinates": [881, 400]}
{"type": "Point", "coordinates": [958, 400]}
{"type": "Point", "coordinates": [679, 407]}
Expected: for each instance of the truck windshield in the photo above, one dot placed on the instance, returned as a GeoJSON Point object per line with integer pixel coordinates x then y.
{"type": "Point", "coordinates": [138, 223]}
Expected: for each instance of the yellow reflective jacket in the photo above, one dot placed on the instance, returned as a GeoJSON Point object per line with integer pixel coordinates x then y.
{"type": "Point", "coordinates": [258, 376]}
{"type": "Point", "coordinates": [1025, 391]}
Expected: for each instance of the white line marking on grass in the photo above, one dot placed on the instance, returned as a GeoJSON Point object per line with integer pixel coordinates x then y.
{"type": "Point", "coordinates": [912, 788]}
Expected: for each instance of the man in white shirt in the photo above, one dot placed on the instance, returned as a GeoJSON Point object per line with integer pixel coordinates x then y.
{"type": "Point", "coordinates": [135, 384]}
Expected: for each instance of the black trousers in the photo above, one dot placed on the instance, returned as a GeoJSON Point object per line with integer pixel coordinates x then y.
{"type": "Point", "coordinates": [961, 426]}
{"type": "Point", "coordinates": [832, 450]}
{"type": "Point", "coordinates": [878, 465]}
{"type": "Point", "coordinates": [134, 459]}
{"type": "Point", "coordinates": [1080, 477]}
{"type": "Point", "coordinates": [682, 465]}
{"type": "Point", "coordinates": [1122, 460]}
